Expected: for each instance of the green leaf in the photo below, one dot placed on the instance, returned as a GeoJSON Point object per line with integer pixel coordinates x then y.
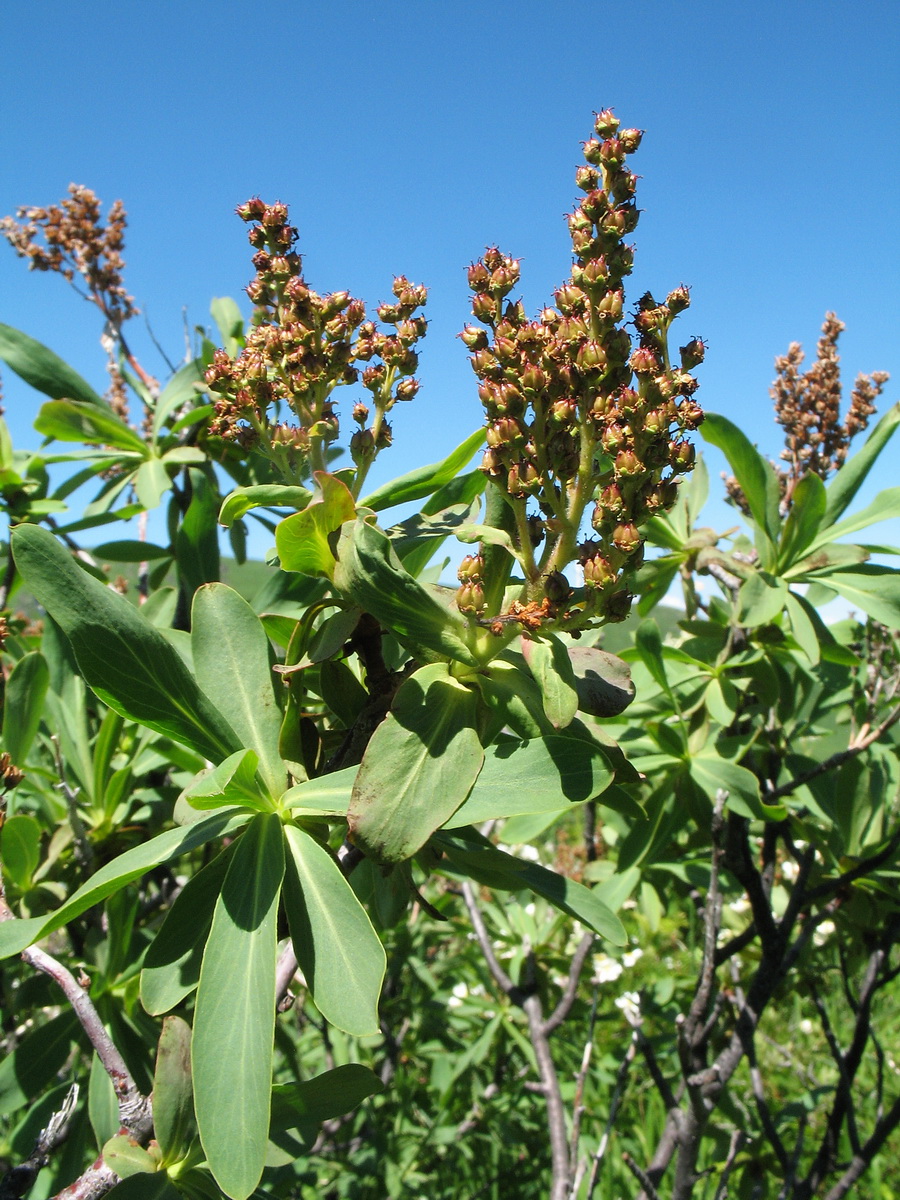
{"type": "Point", "coordinates": [803, 626]}
{"type": "Point", "coordinates": [148, 1187]}
{"type": "Point", "coordinates": [197, 539]}
{"type": "Point", "coordinates": [424, 480]}
{"type": "Point", "coordinates": [231, 662]}
{"type": "Point", "coordinates": [16, 935]}
{"type": "Point", "coordinates": [178, 392]}
{"type": "Point", "coordinates": [303, 540]}
{"type": "Point", "coordinates": [711, 773]}
{"type": "Point", "coordinates": [369, 571]}
{"type": "Point", "coordinates": [127, 662]}
{"type": "Point", "coordinates": [43, 369]}
{"type": "Point", "coordinates": [473, 855]}
{"type": "Point", "coordinates": [229, 321]}
{"type": "Point", "coordinates": [85, 421]}
{"type": "Point", "coordinates": [648, 643]}
{"type": "Point", "coordinates": [171, 968]}
{"type": "Point", "coordinates": [36, 1060]}
{"type": "Point", "coordinates": [852, 474]}
{"type": "Point", "coordinates": [263, 495]}
{"type": "Point", "coordinates": [874, 589]}
{"type": "Point", "coordinates": [151, 482]}
{"type": "Point", "coordinates": [233, 781]}
{"type": "Point", "coordinates": [535, 776]}
{"type": "Point", "coordinates": [23, 705]}
{"type": "Point", "coordinates": [761, 599]}
{"type": "Point", "coordinates": [804, 520]}
{"type": "Point", "coordinates": [130, 551]}
{"type": "Point", "coordinates": [127, 1157]}
{"type": "Point", "coordinates": [602, 680]}
{"type": "Point", "coordinates": [885, 507]}
{"type": "Point", "coordinates": [173, 1095]}
{"type": "Point", "coordinates": [234, 1016]}
{"type": "Point", "coordinates": [754, 474]}
{"type": "Point", "coordinates": [330, 1095]}
{"type": "Point", "coordinates": [339, 953]}
{"type": "Point", "coordinates": [20, 848]}
{"type": "Point", "coordinates": [418, 767]}
{"type": "Point", "coordinates": [549, 663]}
{"type": "Point", "coordinates": [327, 794]}
{"type": "Point", "coordinates": [103, 1104]}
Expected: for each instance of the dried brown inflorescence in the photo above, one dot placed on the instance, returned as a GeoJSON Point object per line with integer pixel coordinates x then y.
{"type": "Point", "coordinates": [578, 416]}
{"type": "Point", "coordinates": [71, 239]}
{"type": "Point", "coordinates": [276, 395]}
{"type": "Point", "coordinates": [808, 408]}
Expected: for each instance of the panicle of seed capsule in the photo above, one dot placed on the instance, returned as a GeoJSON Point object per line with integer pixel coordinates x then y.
{"type": "Point", "coordinates": [571, 402]}
{"type": "Point", "coordinates": [808, 408]}
{"type": "Point", "coordinates": [303, 345]}
{"type": "Point", "coordinates": [71, 239]}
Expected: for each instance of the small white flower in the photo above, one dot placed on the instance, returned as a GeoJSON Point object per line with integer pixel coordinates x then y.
{"type": "Point", "coordinates": [530, 854]}
{"type": "Point", "coordinates": [741, 905]}
{"type": "Point", "coordinates": [630, 1004]}
{"type": "Point", "coordinates": [606, 969]}
{"type": "Point", "coordinates": [823, 932]}
{"type": "Point", "coordinates": [631, 957]}
{"type": "Point", "coordinates": [789, 870]}
{"type": "Point", "coordinates": [806, 1025]}
{"type": "Point", "coordinates": [460, 992]}
{"type": "Point", "coordinates": [530, 910]}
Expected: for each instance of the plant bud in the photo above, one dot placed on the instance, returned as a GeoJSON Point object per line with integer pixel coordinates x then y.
{"type": "Point", "coordinates": [506, 350]}
{"type": "Point", "coordinates": [474, 338]}
{"type": "Point", "coordinates": [592, 150]}
{"type": "Point", "coordinates": [586, 178]}
{"type": "Point", "coordinates": [626, 538]}
{"type": "Point", "coordinates": [630, 139]}
{"type": "Point", "coordinates": [595, 205]}
{"type": "Point", "coordinates": [362, 445]}
{"type": "Point", "coordinates": [692, 354]}
{"type": "Point", "coordinates": [690, 414]}
{"type": "Point", "coordinates": [485, 308]}
{"type": "Point", "coordinates": [374, 377]}
{"type": "Point", "coordinates": [407, 389]}
{"type": "Point", "coordinates": [505, 278]}
{"type": "Point", "coordinates": [678, 299]}
{"type": "Point", "coordinates": [492, 464]}
{"type": "Point", "coordinates": [563, 413]}
{"type": "Point", "coordinates": [623, 186]}
{"type": "Point", "coordinates": [644, 361]}
{"type": "Point", "coordinates": [611, 499]}
{"type": "Point", "coordinates": [360, 413]}
{"type": "Point", "coordinates": [471, 569]}
{"type": "Point", "coordinates": [612, 151]}
{"type": "Point", "coordinates": [681, 456]}
{"type": "Point", "coordinates": [479, 276]}
{"type": "Point", "coordinates": [536, 530]}
{"type": "Point", "coordinates": [534, 379]}
{"type": "Point", "coordinates": [606, 123]}
{"type": "Point", "coordinates": [628, 464]}
{"type": "Point", "coordinates": [617, 606]}
{"type": "Point", "coordinates": [470, 598]}
{"type": "Point", "coordinates": [591, 356]}
{"type": "Point", "coordinates": [556, 587]}
{"type": "Point", "coordinates": [613, 439]}
{"type": "Point", "coordinates": [598, 572]}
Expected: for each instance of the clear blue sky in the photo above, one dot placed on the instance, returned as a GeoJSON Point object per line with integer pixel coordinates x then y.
{"type": "Point", "coordinates": [407, 136]}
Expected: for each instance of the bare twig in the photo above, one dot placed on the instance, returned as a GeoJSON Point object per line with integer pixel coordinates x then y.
{"type": "Point", "coordinates": [737, 1139]}
{"type": "Point", "coordinates": [642, 1177]}
{"type": "Point", "coordinates": [564, 1006]}
{"type": "Point", "coordinates": [19, 1180]}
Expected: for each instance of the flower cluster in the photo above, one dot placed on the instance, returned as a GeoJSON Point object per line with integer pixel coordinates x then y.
{"type": "Point", "coordinates": [579, 417]}
{"type": "Point", "coordinates": [808, 408]}
{"type": "Point", "coordinates": [277, 394]}
{"type": "Point", "coordinates": [76, 242]}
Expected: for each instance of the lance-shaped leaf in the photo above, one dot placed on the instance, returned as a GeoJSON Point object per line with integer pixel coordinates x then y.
{"type": "Point", "coordinates": [329, 1095]}
{"type": "Point", "coordinates": [755, 475]}
{"type": "Point", "coordinates": [234, 1017]}
{"type": "Point", "coordinates": [424, 480]}
{"type": "Point", "coordinates": [231, 661]}
{"type": "Point", "coordinates": [303, 541]}
{"type": "Point", "coordinates": [82, 421]}
{"type": "Point", "coordinates": [43, 369]}
{"type": "Point", "coordinates": [35, 1062]}
{"type": "Point", "coordinates": [23, 704]}
{"type": "Point", "coordinates": [535, 776]}
{"type": "Point", "coordinates": [370, 572]}
{"type": "Point", "coordinates": [171, 968]}
{"type": "Point", "coordinates": [885, 506]}
{"type": "Point", "coordinates": [262, 495]}
{"type": "Point", "coordinates": [339, 953]}
{"type": "Point", "coordinates": [178, 392]}
{"type": "Point", "coordinates": [16, 935]}
{"type": "Point", "coordinates": [128, 663]}
{"type": "Point", "coordinates": [551, 667]}
{"type": "Point", "coordinates": [804, 520]}
{"type": "Point", "coordinates": [173, 1094]}
{"type": "Point", "coordinates": [874, 589]}
{"type": "Point", "coordinates": [418, 767]}
{"type": "Point", "coordinates": [852, 474]}
{"type": "Point", "coordinates": [472, 854]}
{"type": "Point", "coordinates": [233, 781]}
{"type": "Point", "coordinates": [713, 773]}
{"type": "Point", "coordinates": [20, 848]}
